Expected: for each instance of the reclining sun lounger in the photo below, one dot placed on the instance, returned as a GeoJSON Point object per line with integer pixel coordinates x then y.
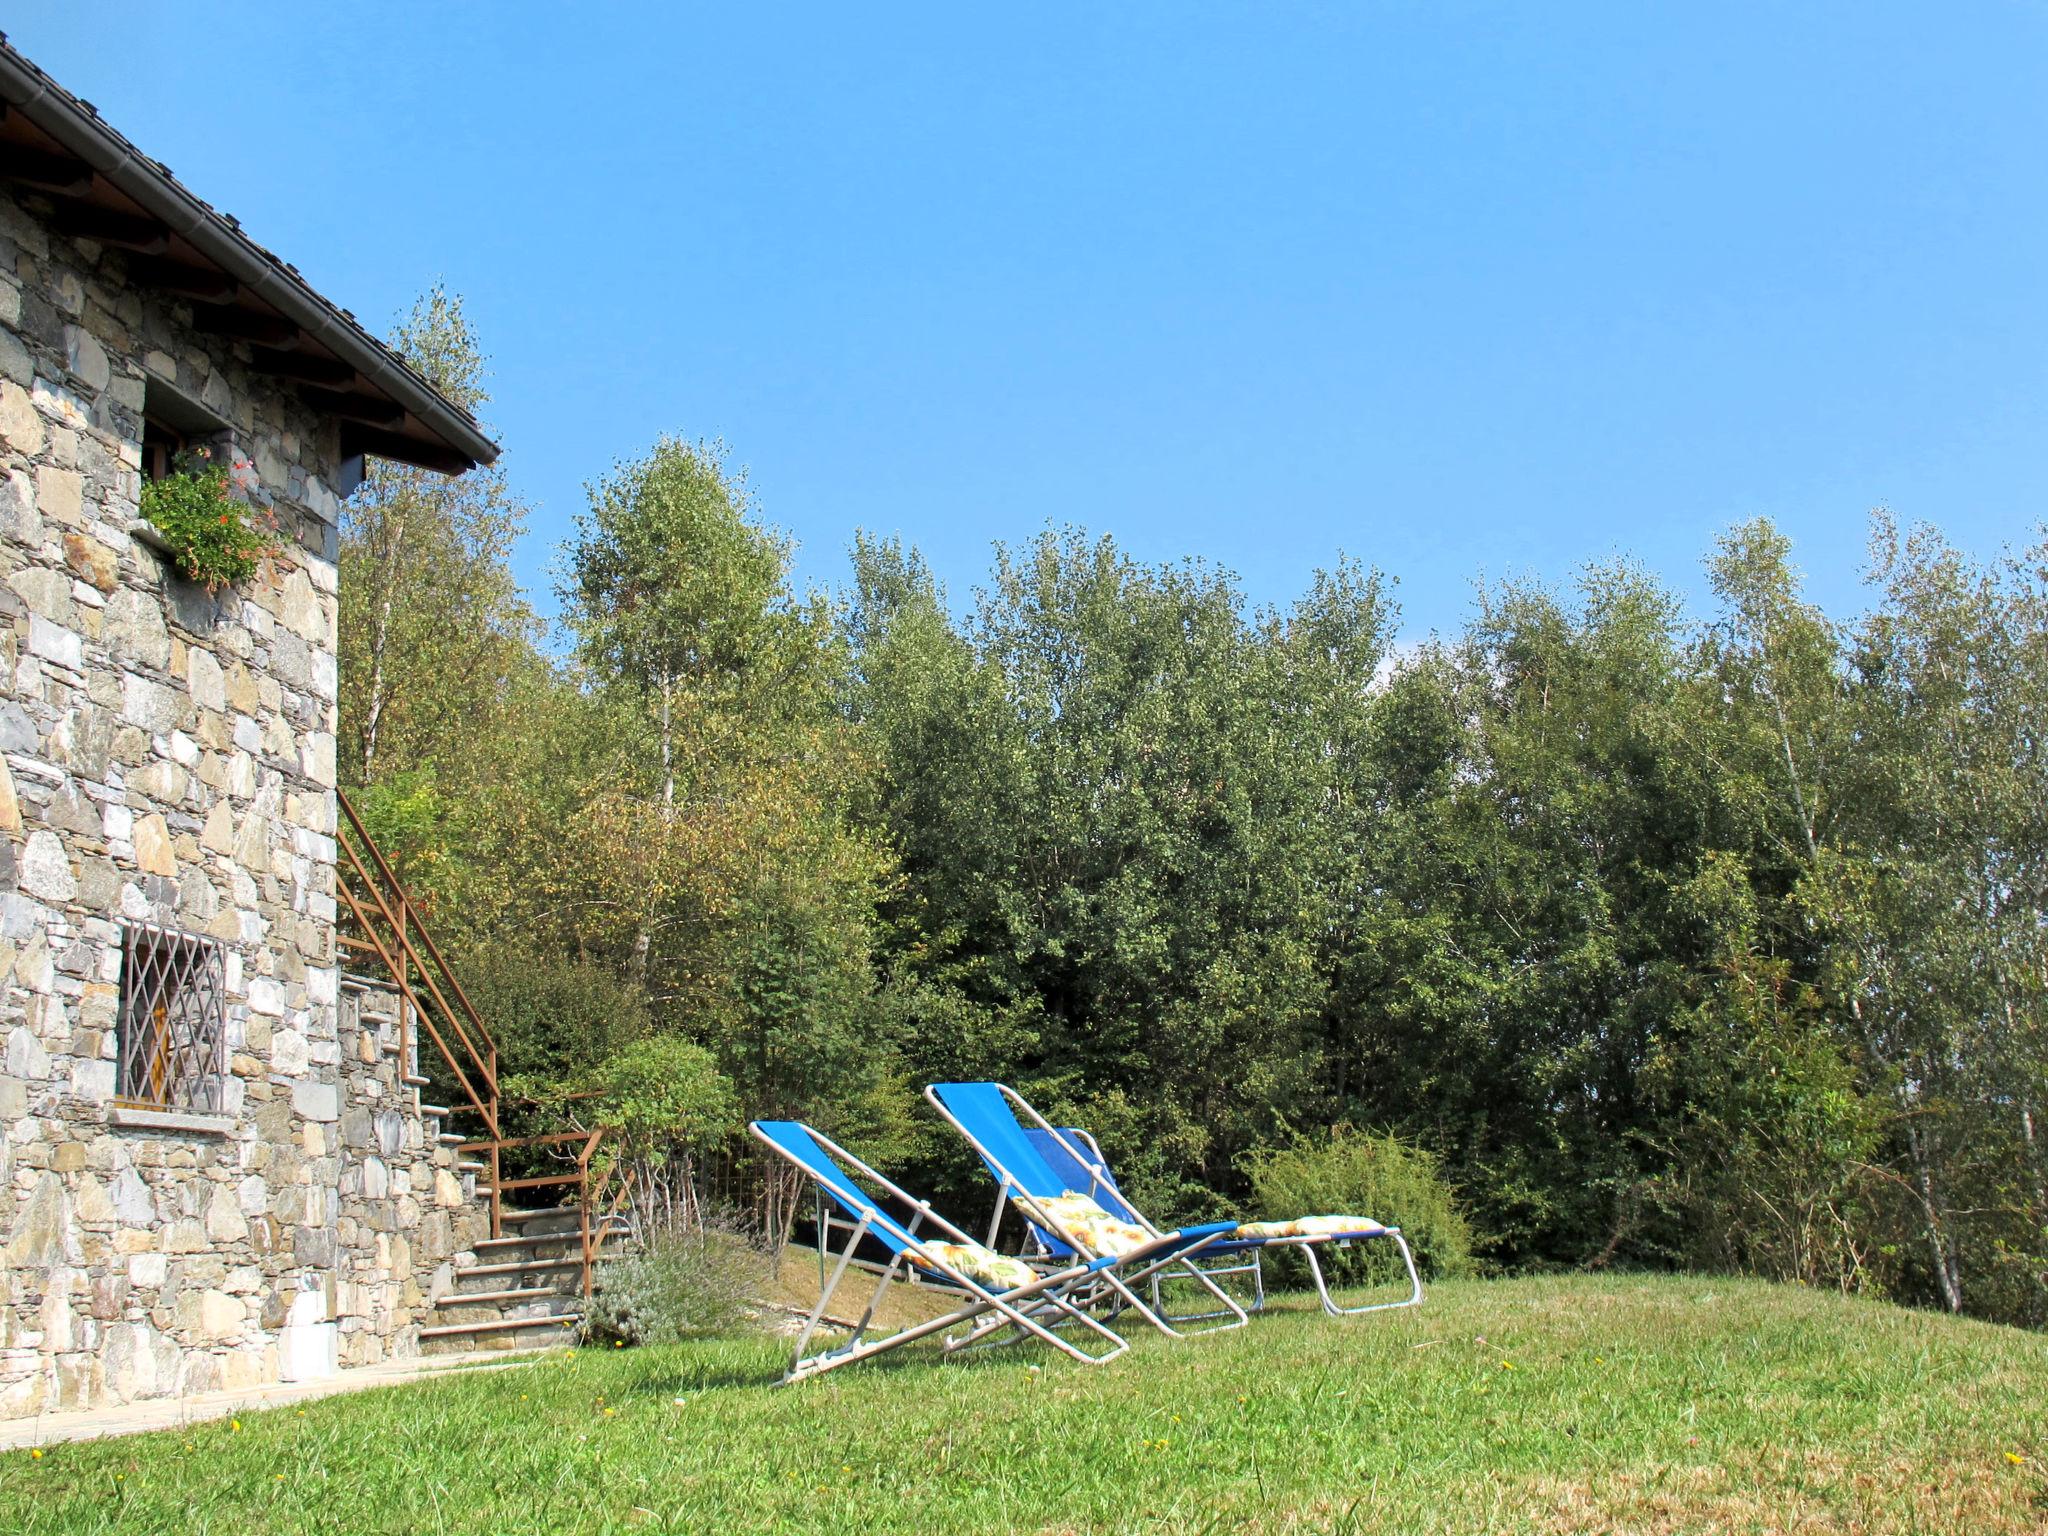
{"type": "Point", "coordinates": [1067, 1221]}
{"type": "Point", "coordinates": [1076, 1160]}
{"type": "Point", "coordinates": [999, 1292]}
{"type": "Point", "coordinates": [1035, 1163]}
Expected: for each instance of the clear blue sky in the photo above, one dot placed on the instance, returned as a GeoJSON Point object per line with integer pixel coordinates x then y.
{"type": "Point", "coordinates": [1451, 288]}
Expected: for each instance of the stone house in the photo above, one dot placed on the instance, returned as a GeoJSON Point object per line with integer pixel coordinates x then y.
{"type": "Point", "coordinates": [214, 1169]}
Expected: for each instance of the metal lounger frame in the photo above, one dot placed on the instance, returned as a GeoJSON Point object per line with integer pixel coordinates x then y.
{"type": "Point", "coordinates": [1090, 1157]}
{"type": "Point", "coordinates": [1218, 1267]}
{"type": "Point", "coordinates": [1098, 1170]}
{"type": "Point", "coordinates": [1025, 1310]}
{"type": "Point", "coordinates": [1010, 1190]}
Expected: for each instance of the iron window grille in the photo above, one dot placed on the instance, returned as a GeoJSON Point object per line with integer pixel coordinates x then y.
{"type": "Point", "coordinates": [173, 1034]}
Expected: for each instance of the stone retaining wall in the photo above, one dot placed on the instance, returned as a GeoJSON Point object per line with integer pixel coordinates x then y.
{"type": "Point", "coordinates": [406, 1210]}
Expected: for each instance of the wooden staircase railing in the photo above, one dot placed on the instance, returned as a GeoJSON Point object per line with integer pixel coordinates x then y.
{"type": "Point", "coordinates": [387, 928]}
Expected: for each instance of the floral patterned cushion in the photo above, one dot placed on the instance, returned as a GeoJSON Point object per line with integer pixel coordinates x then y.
{"type": "Point", "coordinates": [997, 1271]}
{"type": "Point", "coordinates": [1087, 1226]}
{"type": "Point", "coordinates": [1311, 1226]}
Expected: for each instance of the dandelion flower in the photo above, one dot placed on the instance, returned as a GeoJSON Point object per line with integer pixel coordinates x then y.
{"type": "Point", "coordinates": [37, 1455]}
{"type": "Point", "coordinates": [2012, 1456]}
{"type": "Point", "coordinates": [235, 1425]}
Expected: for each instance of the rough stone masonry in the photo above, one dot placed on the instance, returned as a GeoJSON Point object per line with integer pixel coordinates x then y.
{"type": "Point", "coordinates": [168, 756]}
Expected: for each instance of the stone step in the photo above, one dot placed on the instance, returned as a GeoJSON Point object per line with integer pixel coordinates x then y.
{"type": "Point", "coordinates": [518, 1267]}
{"type": "Point", "coordinates": [528, 1305]}
{"type": "Point", "coordinates": [607, 1234]}
{"type": "Point", "coordinates": [540, 1213]}
{"type": "Point", "coordinates": [557, 1322]}
{"type": "Point", "coordinates": [548, 1220]}
{"type": "Point", "coordinates": [501, 1298]}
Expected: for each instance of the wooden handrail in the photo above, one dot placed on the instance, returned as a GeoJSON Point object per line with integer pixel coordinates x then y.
{"type": "Point", "coordinates": [488, 1108]}
{"type": "Point", "coordinates": [406, 952]}
{"type": "Point", "coordinates": [433, 949]}
{"type": "Point", "coordinates": [389, 921]}
{"type": "Point", "coordinates": [475, 1065]}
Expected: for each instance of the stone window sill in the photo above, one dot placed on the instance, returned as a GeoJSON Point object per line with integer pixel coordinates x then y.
{"type": "Point", "coordinates": [135, 1117]}
{"type": "Point", "coordinates": [145, 532]}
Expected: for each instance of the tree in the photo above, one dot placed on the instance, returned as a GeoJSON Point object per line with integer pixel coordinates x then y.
{"type": "Point", "coordinates": [720, 845]}
{"type": "Point", "coordinates": [431, 619]}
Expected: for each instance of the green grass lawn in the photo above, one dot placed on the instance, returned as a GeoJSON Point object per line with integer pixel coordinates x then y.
{"type": "Point", "coordinates": [1529, 1405]}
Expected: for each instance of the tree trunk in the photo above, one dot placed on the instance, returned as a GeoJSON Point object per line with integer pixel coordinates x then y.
{"type": "Point", "coordinates": [668, 750]}
{"type": "Point", "coordinates": [380, 639]}
{"type": "Point", "coordinates": [2028, 1129]}
{"type": "Point", "coordinates": [1946, 1272]}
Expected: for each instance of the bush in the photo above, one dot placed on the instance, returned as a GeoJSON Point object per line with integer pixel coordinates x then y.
{"type": "Point", "coordinates": [681, 1285]}
{"type": "Point", "coordinates": [554, 1017]}
{"type": "Point", "coordinates": [218, 538]}
{"type": "Point", "coordinates": [1350, 1173]}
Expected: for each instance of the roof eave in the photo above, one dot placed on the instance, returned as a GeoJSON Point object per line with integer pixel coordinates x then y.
{"type": "Point", "coordinates": [67, 121]}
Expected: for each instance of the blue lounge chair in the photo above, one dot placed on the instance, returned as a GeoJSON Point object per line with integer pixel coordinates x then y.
{"type": "Point", "coordinates": [1033, 1160]}
{"type": "Point", "coordinates": [998, 1295]}
{"type": "Point", "coordinates": [1076, 1159]}
{"type": "Point", "coordinates": [1025, 1181]}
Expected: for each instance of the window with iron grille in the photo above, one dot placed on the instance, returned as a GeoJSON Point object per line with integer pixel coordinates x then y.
{"type": "Point", "coordinates": [172, 1024]}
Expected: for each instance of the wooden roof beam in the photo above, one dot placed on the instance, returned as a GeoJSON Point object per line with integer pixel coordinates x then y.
{"type": "Point", "coordinates": [109, 226]}
{"type": "Point", "coordinates": [306, 367]}
{"type": "Point", "coordinates": [46, 172]}
{"type": "Point", "coordinates": [243, 324]}
{"type": "Point", "coordinates": [350, 406]}
{"type": "Point", "coordinates": [182, 277]}
{"type": "Point", "coordinates": [406, 450]}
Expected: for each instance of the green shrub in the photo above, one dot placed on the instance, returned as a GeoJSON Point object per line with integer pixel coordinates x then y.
{"type": "Point", "coordinates": [1344, 1172]}
{"type": "Point", "coordinates": [217, 538]}
{"type": "Point", "coordinates": [681, 1285]}
{"type": "Point", "coordinates": [554, 1017]}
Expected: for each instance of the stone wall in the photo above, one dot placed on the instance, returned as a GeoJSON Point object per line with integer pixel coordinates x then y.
{"type": "Point", "coordinates": [406, 1209]}
{"type": "Point", "coordinates": [165, 755]}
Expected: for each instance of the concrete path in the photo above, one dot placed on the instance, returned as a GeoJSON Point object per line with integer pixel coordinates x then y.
{"type": "Point", "coordinates": [176, 1412]}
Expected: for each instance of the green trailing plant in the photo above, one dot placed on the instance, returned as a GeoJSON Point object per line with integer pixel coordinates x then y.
{"type": "Point", "coordinates": [216, 538]}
